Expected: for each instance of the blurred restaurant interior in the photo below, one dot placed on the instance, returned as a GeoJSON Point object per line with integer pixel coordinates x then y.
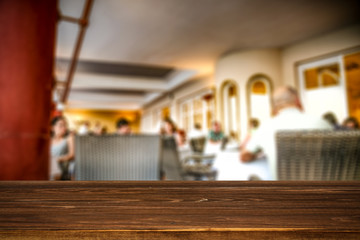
{"type": "Point", "coordinates": [181, 68]}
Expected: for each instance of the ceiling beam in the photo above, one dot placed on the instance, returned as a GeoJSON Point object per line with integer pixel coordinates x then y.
{"type": "Point", "coordinates": [103, 106]}
{"type": "Point", "coordinates": [179, 77]}
{"type": "Point", "coordinates": [93, 81]}
{"type": "Point", "coordinates": [104, 97]}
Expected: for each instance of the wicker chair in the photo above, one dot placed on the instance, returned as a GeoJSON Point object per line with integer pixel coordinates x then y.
{"type": "Point", "coordinates": [115, 157]}
{"type": "Point", "coordinates": [318, 155]}
{"type": "Point", "coordinates": [198, 144]}
{"type": "Point", "coordinates": [193, 167]}
{"type": "Point", "coordinates": [171, 167]}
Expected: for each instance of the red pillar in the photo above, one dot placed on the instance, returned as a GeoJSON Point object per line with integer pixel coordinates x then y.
{"type": "Point", "coordinates": [27, 33]}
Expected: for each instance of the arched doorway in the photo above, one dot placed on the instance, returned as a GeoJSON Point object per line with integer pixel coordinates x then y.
{"type": "Point", "coordinates": [259, 90]}
{"type": "Point", "coordinates": [229, 96]}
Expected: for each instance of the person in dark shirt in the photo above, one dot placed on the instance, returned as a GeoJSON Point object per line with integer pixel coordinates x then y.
{"type": "Point", "coordinates": [331, 118]}
{"type": "Point", "coordinates": [350, 123]}
{"type": "Point", "coordinates": [123, 127]}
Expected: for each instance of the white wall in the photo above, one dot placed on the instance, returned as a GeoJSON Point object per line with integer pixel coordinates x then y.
{"type": "Point", "coordinates": [146, 124]}
{"type": "Point", "coordinates": [240, 67]}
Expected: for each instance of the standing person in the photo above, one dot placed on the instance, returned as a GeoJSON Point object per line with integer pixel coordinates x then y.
{"type": "Point", "coordinates": [123, 127]}
{"type": "Point", "coordinates": [289, 116]}
{"type": "Point", "coordinates": [169, 130]}
{"type": "Point", "coordinates": [62, 150]}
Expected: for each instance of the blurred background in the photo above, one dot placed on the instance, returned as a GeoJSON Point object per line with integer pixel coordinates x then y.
{"type": "Point", "coordinates": [95, 62]}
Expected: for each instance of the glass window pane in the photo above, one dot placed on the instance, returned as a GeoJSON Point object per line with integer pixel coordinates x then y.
{"type": "Point", "coordinates": [311, 79]}
{"type": "Point", "coordinates": [322, 76]}
{"type": "Point", "coordinates": [352, 67]}
{"type": "Point", "coordinates": [184, 108]}
{"type": "Point", "coordinates": [209, 119]}
{"type": "Point", "coordinates": [198, 118]}
{"type": "Point", "coordinates": [330, 75]}
{"type": "Point", "coordinates": [258, 87]}
{"type": "Point", "coordinates": [197, 105]}
{"type": "Point", "coordinates": [186, 123]}
{"type": "Point", "coordinates": [232, 91]}
{"type": "Point", "coordinates": [259, 99]}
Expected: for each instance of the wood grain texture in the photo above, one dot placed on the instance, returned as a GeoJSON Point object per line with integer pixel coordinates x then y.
{"type": "Point", "coordinates": [179, 210]}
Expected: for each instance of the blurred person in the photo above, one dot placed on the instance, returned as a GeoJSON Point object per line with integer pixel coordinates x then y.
{"type": "Point", "coordinates": [289, 116]}
{"type": "Point", "coordinates": [97, 129]}
{"type": "Point", "coordinates": [84, 128]}
{"type": "Point", "coordinates": [196, 132]}
{"type": "Point", "coordinates": [62, 149]}
{"type": "Point", "coordinates": [254, 124]}
{"type": "Point", "coordinates": [216, 134]}
{"type": "Point", "coordinates": [350, 123]}
{"type": "Point", "coordinates": [123, 127]}
{"type": "Point", "coordinates": [182, 137]}
{"type": "Point", "coordinates": [331, 119]}
{"type": "Point", "coordinates": [169, 129]}
{"type": "Point", "coordinates": [104, 130]}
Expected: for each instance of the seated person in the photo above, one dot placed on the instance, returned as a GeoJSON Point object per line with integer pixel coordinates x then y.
{"type": "Point", "coordinates": [84, 128]}
{"type": "Point", "coordinates": [123, 127]}
{"type": "Point", "coordinates": [254, 125]}
{"type": "Point", "coordinates": [216, 135]}
{"type": "Point", "coordinates": [350, 123]}
{"type": "Point", "coordinates": [98, 129]}
{"type": "Point", "coordinates": [331, 118]}
{"type": "Point", "coordinates": [288, 116]}
{"type": "Point", "coordinates": [62, 150]}
{"type": "Point", "coordinates": [196, 132]}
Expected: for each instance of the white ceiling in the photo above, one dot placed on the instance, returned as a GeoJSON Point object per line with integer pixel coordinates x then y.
{"type": "Point", "coordinates": [187, 35]}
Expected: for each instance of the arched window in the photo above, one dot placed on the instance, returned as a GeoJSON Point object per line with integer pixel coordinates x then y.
{"type": "Point", "coordinates": [230, 108]}
{"type": "Point", "coordinates": [259, 98]}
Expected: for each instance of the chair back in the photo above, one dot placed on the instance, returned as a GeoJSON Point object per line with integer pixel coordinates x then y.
{"type": "Point", "coordinates": [170, 163]}
{"type": "Point", "coordinates": [198, 144]}
{"type": "Point", "coordinates": [115, 157]}
{"type": "Point", "coordinates": [224, 142]}
{"type": "Point", "coordinates": [318, 155]}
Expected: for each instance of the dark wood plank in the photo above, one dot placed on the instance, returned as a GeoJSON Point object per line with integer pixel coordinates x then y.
{"type": "Point", "coordinates": [180, 210]}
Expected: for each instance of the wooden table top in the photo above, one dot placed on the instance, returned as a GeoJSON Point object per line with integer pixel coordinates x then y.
{"type": "Point", "coordinates": [178, 210]}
